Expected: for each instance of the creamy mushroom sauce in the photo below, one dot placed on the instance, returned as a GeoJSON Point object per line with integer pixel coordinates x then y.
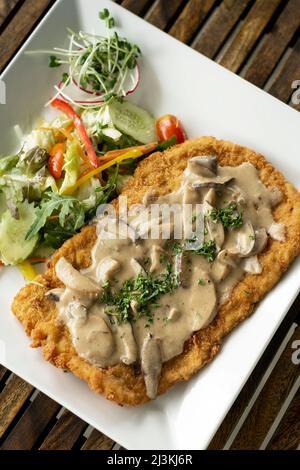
{"type": "Point", "coordinates": [201, 285]}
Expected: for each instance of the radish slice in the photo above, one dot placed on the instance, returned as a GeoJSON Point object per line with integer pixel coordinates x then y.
{"type": "Point", "coordinates": [76, 94]}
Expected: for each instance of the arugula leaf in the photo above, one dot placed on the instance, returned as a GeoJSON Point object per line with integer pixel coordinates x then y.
{"type": "Point", "coordinates": [167, 143]}
{"type": "Point", "coordinates": [69, 210]}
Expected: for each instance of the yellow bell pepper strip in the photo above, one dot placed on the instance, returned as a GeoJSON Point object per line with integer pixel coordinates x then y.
{"type": "Point", "coordinates": [28, 271]}
{"type": "Point", "coordinates": [60, 130]}
{"type": "Point", "coordinates": [83, 135]}
{"type": "Point", "coordinates": [135, 153]}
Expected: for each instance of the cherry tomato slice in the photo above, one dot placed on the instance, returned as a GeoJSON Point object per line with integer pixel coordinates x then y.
{"type": "Point", "coordinates": [56, 160]}
{"type": "Point", "coordinates": [167, 126]}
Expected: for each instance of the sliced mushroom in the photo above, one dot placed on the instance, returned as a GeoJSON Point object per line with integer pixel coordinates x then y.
{"type": "Point", "coordinates": [73, 279]}
{"type": "Point", "coordinates": [129, 355]}
{"type": "Point", "coordinates": [106, 269]}
{"type": "Point", "coordinates": [151, 362]}
{"type": "Point", "coordinates": [277, 231]}
{"type": "Point", "coordinates": [219, 183]}
{"type": "Point", "coordinates": [224, 263]}
{"type": "Point", "coordinates": [190, 195]}
{"type": "Point", "coordinates": [275, 196]}
{"type": "Point", "coordinates": [261, 239]}
{"type": "Point", "coordinates": [210, 197]}
{"type": "Point", "coordinates": [245, 240]}
{"type": "Point", "coordinates": [252, 265]}
{"type": "Point", "coordinates": [134, 306]}
{"type": "Point", "coordinates": [137, 267]}
{"type": "Point", "coordinates": [55, 294]}
{"type": "Point", "coordinates": [205, 165]}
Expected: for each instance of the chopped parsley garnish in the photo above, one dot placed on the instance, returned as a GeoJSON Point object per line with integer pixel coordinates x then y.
{"type": "Point", "coordinates": [207, 249]}
{"type": "Point", "coordinates": [252, 237]}
{"type": "Point", "coordinates": [201, 282]}
{"type": "Point", "coordinates": [144, 291]}
{"type": "Point", "coordinates": [229, 216]}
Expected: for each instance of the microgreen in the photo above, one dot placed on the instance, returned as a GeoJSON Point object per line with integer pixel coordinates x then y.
{"type": "Point", "coordinates": [54, 61]}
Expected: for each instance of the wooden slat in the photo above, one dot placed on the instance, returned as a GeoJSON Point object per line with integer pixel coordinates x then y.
{"type": "Point", "coordinates": [12, 398]}
{"type": "Point", "coordinates": [254, 24]}
{"type": "Point", "coordinates": [21, 24]}
{"type": "Point", "coordinates": [33, 422]}
{"type": "Point", "coordinates": [2, 372]}
{"type": "Point", "coordinates": [190, 19]}
{"type": "Point", "coordinates": [136, 6]}
{"type": "Point", "coordinates": [216, 30]}
{"type": "Point", "coordinates": [241, 403]}
{"type": "Point", "coordinates": [282, 87]}
{"type": "Point", "coordinates": [6, 7]}
{"type": "Point", "coordinates": [65, 433]}
{"type": "Point", "coordinates": [270, 400]}
{"type": "Point", "coordinates": [98, 441]}
{"type": "Point", "coordinates": [162, 12]}
{"type": "Point", "coordinates": [287, 435]}
{"type": "Point", "coordinates": [276, 42]}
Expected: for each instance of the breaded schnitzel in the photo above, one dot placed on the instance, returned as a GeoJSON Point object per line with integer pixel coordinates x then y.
{"type": "Point", "coordinates": [122, 383]}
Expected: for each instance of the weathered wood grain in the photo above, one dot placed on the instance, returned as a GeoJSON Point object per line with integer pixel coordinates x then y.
{"type": "Point", "coordinates": [2, 372]}
{"type": "Point", "coordinates": [65, 432]}
{"type": "Point", "coordinates": [136, 6]}
{"type": "Point", "coordinates": [287, 435]}
{"type": "Point", "coordinates": [219, 26]}
{"type": "Point", "coordinates": [162, 12]}
{"type": "Point", "coordinates": [190, 19]}
{"type": "Point", "coordinates": [276, 42]}
{"type": "Point", "coordinates": [271, 398]}
{"type": "Point", "coordinates": [21, 24]}
{"type": "Point", "coordinates": [253, 25]}
{"type": "Point", "coordinates": [33, 422]}
{"type": "Point", "coordinates": [98, 441]}
{"type": "Point", "coordinates": [6, 7]}
{"type": "Point", "coordinates": [282, 87]}
{"type": "Point", "coordinates": [220, 438]}
{"type": "Point", "coordinates": [12, 398]}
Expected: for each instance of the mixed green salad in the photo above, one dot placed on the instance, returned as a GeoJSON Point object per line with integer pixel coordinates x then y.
{"type": "Point", "coordinates": [66, 168]}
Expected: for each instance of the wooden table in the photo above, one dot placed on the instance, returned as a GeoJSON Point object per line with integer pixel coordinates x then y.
{"type": "Point", "coordinates": [259, 40]}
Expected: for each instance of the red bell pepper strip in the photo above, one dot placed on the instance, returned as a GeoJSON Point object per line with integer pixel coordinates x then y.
{"type": "Point", "coordinates": [71, 113]}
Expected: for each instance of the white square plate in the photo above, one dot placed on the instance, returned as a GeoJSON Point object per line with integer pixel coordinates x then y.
{"type": "Point", "coordinates": [209, 100]}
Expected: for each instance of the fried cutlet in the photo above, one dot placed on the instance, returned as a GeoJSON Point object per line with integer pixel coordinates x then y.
{"type": "Point", "coordinates": [162, 171]}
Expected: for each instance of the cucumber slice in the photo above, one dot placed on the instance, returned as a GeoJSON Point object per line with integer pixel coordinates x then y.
{"type": "Point", "coordinates": [133, 121]}
{"type": "Point", "coordinates": [13, 246]}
